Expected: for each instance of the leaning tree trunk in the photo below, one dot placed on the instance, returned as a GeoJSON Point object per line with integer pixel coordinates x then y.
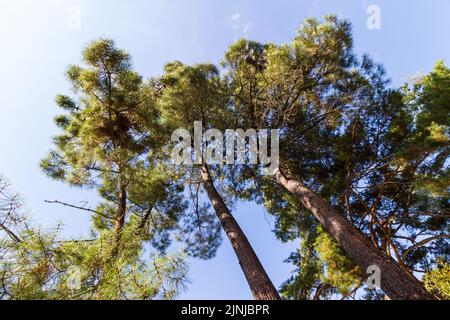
{"type": "Point", "coordinates": [395, 282]}
{"type": "Point", "coordinates": [122, 205]}
{"type": "Point", "coordinates": [257, 278]}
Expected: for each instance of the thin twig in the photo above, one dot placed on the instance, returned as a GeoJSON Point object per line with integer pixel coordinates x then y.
{"type": "Point", "coordinates": [80, 208]}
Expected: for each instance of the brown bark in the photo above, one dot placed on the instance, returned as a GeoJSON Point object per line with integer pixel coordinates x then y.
{"type": "Point", "coordinates": [144, 220]}
{"type": "Point", "coordinates": [122, 206]}
{"type": "Point", "coordinates": [257, 278]}
{"type": "Point", "coordinates": [395, 282]}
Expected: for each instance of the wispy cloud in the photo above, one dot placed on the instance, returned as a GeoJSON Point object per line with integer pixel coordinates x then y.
{"type": "Point", "coordinates": [235, 19]}
{"type": "Point", "coordinates": [247, 26]}
{"type": "Point", "coordinates": [238, 24]}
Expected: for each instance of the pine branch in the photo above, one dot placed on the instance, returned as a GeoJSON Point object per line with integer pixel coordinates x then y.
{"type": "Point", "coordinates": [10, 233]}
{"type": "Point", "coordinates": [80, 208]}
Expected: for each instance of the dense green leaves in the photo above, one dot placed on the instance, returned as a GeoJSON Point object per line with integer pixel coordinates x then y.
{"type": "Point", "coordinates": [438, 280]}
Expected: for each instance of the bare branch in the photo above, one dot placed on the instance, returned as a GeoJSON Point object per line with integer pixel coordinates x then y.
{"type": "Point", "coordinates": [424, 242]}
{"type": "Point", "coordinates": [80, 208]}
{"type": "Point", "coordinates": [10, 233]}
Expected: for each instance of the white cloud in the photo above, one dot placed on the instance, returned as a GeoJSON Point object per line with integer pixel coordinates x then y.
{"type": "Point", "coordinates": [235, 17]}
{"type": "Point", "coordinates": [238, 24]}
{"type": "Point", "coordinates": [235, 20]}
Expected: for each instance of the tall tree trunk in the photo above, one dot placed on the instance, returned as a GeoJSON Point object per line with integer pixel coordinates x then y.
{"type": "Point", "coordinates": [395, 282]}
{"type": "Point", "coordinates": [257, 278]}
{"type": "Point", "coordinates": [122, 206]}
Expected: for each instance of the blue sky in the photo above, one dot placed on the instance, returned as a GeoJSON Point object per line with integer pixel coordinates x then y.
{"type": "Point", "coordinates": [40, 38]}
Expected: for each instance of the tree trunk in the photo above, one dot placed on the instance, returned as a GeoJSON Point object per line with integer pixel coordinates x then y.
{"type": "Point", "coordinates": [257, 278]}
{"type": "Point", "coordinates": [395, 282]}
{"type": "Point", "coordinates": [144, 220]}
{"type": "Point", "coordinates": [122, 206]}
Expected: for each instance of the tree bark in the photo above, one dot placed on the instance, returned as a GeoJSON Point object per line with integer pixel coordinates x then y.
{"type": "Point", "coordinates": [122, 206]}
{"type": "Point", "coordinates": [260, 285]}
{"type": "Point", "coordinates": [395, 282]}
{"type": "Point", "coordinates": [144, 220]}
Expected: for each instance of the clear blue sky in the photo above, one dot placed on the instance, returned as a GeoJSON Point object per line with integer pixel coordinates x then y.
{"type": "Point", "coordinates": [40, 38]}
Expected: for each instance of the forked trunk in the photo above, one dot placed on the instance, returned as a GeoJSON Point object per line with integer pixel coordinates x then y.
{"type": "Point", "coordinates": [257, 278]}
{"type": "Point", "coordinates": [395, 282]}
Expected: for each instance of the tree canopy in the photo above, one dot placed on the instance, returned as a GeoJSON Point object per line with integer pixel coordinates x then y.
{"type": "Point", "coordinates": [361, 163]}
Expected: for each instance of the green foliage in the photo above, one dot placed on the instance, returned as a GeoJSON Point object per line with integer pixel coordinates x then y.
{"type": "Point", "coordinates": [38, 264]}
{"type": "Point", "coordinates": [323, 269]}
{"type": "Point", "coordinates": [41, 267]}
{"type": "Point", "coordinates": [306, 278]}
{"type": "Point", "coordinates": [340, 271]}
{"type": "Point", "coordinates": [437, 281]}
{"type": "Point", "coordinates": [377, 155]}
{"type": "Point", "coordinates": [190, 93]}
{"type": "Point", "coordinates": [112, 140]}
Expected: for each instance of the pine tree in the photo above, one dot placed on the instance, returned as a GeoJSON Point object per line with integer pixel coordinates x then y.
{"type": "Point", "coordinates": [38, 263]}
{"type": "Point", "coordinates": [333, 113]}
{"type": "Point", "coordinates": [194, 93]}
{"type": "Point", "coordinates": [363, 177]}
{"type": "Point", "coordinates": [111, 141]}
